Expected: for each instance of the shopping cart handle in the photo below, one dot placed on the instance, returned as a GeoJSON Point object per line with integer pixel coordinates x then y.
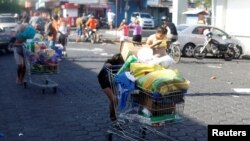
{"type": "Point", "coordinates": [112, 68]}
{"type": "Point", "coordinates": [116, 66]}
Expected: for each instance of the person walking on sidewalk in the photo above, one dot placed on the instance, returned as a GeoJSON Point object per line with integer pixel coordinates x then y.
{"type": "Point", "coordinates": [64, 32]}
{"type": "Point", "coordinates": [52, 31]}
{"type": "Point", "coordinates": [23, 32]}
{"type": "Point", "coordinates": [110, 17]}
{"type": "Point", "coordinates": [137, 31]}
{"type": "Point", "coordinates": [78, 28]}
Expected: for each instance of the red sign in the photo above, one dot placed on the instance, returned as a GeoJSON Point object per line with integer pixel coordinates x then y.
{"type": "Point", "coordinates": [70, 6]}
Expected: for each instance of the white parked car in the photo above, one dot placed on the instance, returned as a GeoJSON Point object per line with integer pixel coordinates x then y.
{"type": "Point", "coordinates": [146, 19]}
{"type": "Point", "coordinates": [7, 21]}
{"type": "Point", "coordinates": [190, 36]}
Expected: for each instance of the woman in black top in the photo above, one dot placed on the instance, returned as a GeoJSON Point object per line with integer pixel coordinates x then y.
{"type": "Point", "coordinates": [105, 84]}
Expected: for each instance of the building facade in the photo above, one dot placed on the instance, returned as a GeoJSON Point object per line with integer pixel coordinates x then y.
{"type": "Point", "coordinates": [231, 15]}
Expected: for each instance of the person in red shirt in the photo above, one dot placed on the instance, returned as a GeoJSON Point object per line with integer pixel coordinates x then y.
{"type": "Point", "coordinates": [125, 33]}
{"type": "Point", "coordinates": [92, 23]}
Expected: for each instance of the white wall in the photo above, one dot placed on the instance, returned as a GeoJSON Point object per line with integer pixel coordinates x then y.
{"type": "Point", "coordinates": [192, 19]}
{"type": "Point", "coordinates": [219, 13]}
{"type": "Point", "coordinates": [70, 12]}
{"type": "Point", "coordinates": [232, 16]}
{"type": "Point", "coordinates": [237, 17]}
{"type": "Point", "coordinates": [179, 6]}
{"type": "Point", "coordinates": [237, 21]}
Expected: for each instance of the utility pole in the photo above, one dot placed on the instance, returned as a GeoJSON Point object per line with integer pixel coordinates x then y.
{"type": "Point", "coordinates": [126, 10]}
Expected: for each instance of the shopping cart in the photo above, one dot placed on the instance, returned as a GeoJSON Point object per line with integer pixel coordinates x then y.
{"type": "Point", "coordinates": [145, 114]}
{"type": "Point", "coordinates": [39, 74]}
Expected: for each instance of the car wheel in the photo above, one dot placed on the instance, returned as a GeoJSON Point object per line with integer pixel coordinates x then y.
{"type": "Point", "coordinates": [238, 51]}
{"type": "Point", "coordinates": [188, 50]}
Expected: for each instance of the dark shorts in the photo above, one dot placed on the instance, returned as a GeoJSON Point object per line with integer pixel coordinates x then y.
{"type": "Point", "coordinates": [62, 40]}
{"type": "Point", "coordinates": [137, 38]}
{"type": "Point", "coordinates": [103, 79]}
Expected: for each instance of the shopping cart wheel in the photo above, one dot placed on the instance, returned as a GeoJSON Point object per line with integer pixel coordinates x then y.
{"type": "Point", "coordinates": [54, 89]}
{"type": "Point", "coordinates": [143, 132]}
{"type": "Point", "coordinates": [110, 137]}
{"type": "Point", "coordinates": [25, 85]}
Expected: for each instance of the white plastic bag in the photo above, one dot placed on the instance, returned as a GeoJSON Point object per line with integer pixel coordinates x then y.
{"type": "Point", "coordinates": [165, 61]}
{"type": "Point", "coordinates": [144, 55]}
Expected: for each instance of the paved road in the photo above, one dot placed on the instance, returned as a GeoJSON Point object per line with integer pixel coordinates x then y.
{"type": "Point", "coordinates": [79, 111]}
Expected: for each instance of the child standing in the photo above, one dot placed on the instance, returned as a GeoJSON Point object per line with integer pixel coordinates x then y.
{"type": "Point", "coordinates": [125, 33]}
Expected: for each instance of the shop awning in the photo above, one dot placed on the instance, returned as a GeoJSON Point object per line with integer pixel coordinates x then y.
{"type": "Point", "coordinates": [104, 5]}
{"type": "Point", "coordinates": [47, 4]}
{"type": "Point", "coordinates": [70, 6]}
{"type": "Point", "coordinates": [84, 1]}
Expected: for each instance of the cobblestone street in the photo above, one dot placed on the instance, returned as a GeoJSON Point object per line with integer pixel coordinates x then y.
{"type": "Point", "coordinates": [79, 109]}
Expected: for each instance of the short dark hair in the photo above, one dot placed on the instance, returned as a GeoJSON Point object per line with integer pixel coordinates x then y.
{"type": "Point", "coordinates": [55, 17]}
{"type": "Point", "coordinates": [162, 30]}
{"type": "Point", "coordinates": [116, 59]}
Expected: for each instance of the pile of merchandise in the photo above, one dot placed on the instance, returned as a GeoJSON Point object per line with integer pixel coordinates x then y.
{"type": "Point", "coordinates": [42, 59]}
{"type": "Point", "coordinates": [161, 88]}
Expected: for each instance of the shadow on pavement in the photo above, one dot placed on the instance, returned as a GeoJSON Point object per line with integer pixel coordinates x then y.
{"type": "Point", "coordinates": [78, 112]}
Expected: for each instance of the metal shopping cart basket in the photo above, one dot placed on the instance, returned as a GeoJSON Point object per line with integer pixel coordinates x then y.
{"type": "Point", "coordinates": [39, 74]}
{"type": "Point", "coordinates": [145, 113]}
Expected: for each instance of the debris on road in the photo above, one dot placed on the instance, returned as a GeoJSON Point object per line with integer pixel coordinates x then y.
{"type": "Point", "coordinates": [213, 77]}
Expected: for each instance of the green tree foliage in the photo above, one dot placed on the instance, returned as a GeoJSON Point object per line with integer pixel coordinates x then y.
{"type": "Point", "coordinates": [11, 6]}
{"type": "Point", "coordinates": [205, 3]}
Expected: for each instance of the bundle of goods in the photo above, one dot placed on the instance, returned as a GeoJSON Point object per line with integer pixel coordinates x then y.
{"type": "Point", "coordinates": [161, 88]}
{"type": "Point", "coordinates": [42, 59]}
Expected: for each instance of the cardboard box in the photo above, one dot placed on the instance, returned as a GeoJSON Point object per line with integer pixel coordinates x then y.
{"type": "Point", "coordinates": [128, 49]}
{"type": "Point", "coordinates": [157, 106]}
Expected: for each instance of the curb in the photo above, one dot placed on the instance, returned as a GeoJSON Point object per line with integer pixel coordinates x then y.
{"type": "Point", "coordinates": [246, 57]}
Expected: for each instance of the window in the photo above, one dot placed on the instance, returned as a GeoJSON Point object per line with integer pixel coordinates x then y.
{"type": "Point", "coordinates": [199, 30]}
{"type": "Point", "coordinates": [218, 32]}
{"type": "Point", "coordinates": [135, 15]}
{"type": "Point", "coordinates": [7, 20]}
{"type": "Point", "coordinates": [145, 16]}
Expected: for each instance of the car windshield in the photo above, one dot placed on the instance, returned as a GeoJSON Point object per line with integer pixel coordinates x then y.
{"type": "Point", "coordinates": [7, 20]}
{"type": "Point", "coordinates": [181, 27]}
{"type": "Point", "coordinates": [145, 16]}
{"type": "Point", "coordinates": [219, 32]}
{"type": "Point", "coordinates": [135, 15]}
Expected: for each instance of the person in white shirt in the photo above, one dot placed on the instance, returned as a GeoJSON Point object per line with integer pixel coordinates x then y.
{"type": "Point", "coordinates": [110, 16]}
{"type": "Point", "coordinates": [64, 31]}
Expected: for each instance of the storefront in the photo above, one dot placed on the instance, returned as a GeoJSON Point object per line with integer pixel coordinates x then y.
{"type": "Point", "coordinates": [99, 10]}
{"type": "Point", "coordinates": [70, 9]}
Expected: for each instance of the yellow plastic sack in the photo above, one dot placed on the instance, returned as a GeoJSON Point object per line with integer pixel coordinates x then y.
{"type": "Point", "coordinates": [163, 81]}
{"type": "Point", "coordinates": [139, 69]}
